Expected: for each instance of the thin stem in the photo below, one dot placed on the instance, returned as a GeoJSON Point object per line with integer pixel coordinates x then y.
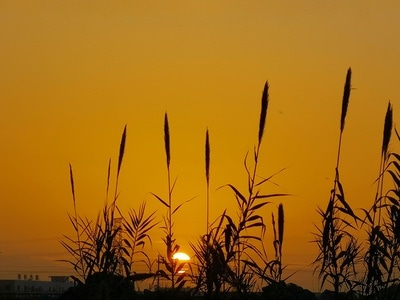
{"type": "Point", "coordinates": [207, 158]}
{"type": "Point", "coordinates": [78, 235]}
{"type": "Point", "coordinates": [170, 228]}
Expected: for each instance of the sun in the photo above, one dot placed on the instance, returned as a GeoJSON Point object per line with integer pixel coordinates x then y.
{"type": "Point", "coordinates": [181, 256]}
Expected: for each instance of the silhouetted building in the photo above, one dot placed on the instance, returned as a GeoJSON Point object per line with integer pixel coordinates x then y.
{"type": "Point", "coordinates": [57, 284]}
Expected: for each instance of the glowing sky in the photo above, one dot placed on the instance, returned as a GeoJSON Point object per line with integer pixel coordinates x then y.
{"type": "Point", "coordinates": [73, 73]}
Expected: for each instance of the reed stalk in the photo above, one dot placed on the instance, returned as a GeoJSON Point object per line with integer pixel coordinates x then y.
{"type": "Point", "coordinates": [171, 264]}
{"type": "Point", "coordinates": [169, 239]}
{"type": "Point", "coordinates": [246, 209]}
{"type": "Point", "coordinates": [238, 241]}
{"type": "Point", "coordinates": [207, 160]}
{"type": "Point", "coordinates": [337, 246]}
{"type": "Point", "coordinates": [76, 225]}
{"type": "Point", "coordinates": [377, 242]}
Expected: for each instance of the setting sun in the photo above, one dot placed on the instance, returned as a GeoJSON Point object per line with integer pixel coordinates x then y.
{"type": "Point", "coordinates": [181, 256]}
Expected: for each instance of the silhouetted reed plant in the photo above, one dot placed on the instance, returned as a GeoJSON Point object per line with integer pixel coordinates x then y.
{"type": "Point", "coordinates": [175, 272]}
{"type": "Point", "coordinates": [238, 240]}
{"type": "Point", "coordinates": [339, 251]}
{"type": "Point", "coordinates": [103, 251]}
{"type": "Point", "coordinates": [383, 221]}
{"type": "Point", "coordinates": [270, 271]}
{"type": "Point", "coordinates": [210, 271]}
{"type": "Point", "coordinates": [95, 249]}
{"type": "Point", "coordinates": [338, 248]}
{"type": "Point", "coordinates": [224, 255]}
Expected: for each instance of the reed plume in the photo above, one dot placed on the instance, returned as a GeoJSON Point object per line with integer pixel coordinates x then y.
{"type": "Point", "coordinates": [346, 97]}
{"type": "Point", "coordinates": [120, 158]}
{"type": "Point", "coordinates": [387, 129]}
{"type": "Point", "coordinates": [167, 140]}
{"type": "Point", "coordinates": [207, 157]}
{"type": "Point", "coordinates": [387, 132]}
{"type": "Point", "coordinates": [345, 104]}
{"type": "Point", "coordinates": [121, 150]}
{"type": "Point", "coordinates": [71, 178]}
{"type": "Point", "coordinates": [263, 114]}
{"type": "Point", "coordinates": [207, 154]}
{"type": "Point", "coordinates": [281, 223]}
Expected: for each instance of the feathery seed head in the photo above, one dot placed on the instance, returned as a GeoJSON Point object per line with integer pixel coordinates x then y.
{"type": "Point", "coordinates": [346, 97]}
{"type": "Point", "coordinates": [167, 139]}
{"type": "Point", "coordinates": [281, 223]}
{"type": "Point", "coordinates": [263, 114]}
{"type": "Point", "coordinates": [207, 157]}
{"type": "Point", "coordinates": [121, 150]}
{"type": "Point", "coordinates": [387, 130]}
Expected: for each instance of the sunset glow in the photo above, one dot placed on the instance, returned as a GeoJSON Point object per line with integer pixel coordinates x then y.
{"type": "Point", "coordinates": [74, 73]}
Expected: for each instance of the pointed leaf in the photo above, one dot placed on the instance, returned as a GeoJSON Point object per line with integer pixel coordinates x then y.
{"type": "Point", "coordinates": [236, 191]}
{"type": "Point", "coordinates": [161, 200]}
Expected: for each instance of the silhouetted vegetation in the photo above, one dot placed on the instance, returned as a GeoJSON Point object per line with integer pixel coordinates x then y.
{"type": "Point", "coordinates": [371, 271]}
{"type": "Point", "coordinates": [102, 253]}
{"type": "Point", "coordinates": [174, 268]}
{"type": "Point", "coordinates": [338, 248]}
{"type": "Point", "coordinates": [231, 258]}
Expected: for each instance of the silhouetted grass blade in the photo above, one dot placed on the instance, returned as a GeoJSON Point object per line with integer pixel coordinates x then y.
{"type": "Point", "coordinates": [108, 178]}
{"type": "Point", "coordinates": [237, 193]}
{"type": "Point", "coordinates": [161, 200]}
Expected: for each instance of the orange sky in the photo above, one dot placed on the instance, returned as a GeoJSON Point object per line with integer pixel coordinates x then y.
{"type": "Point", "coordinates": [73, 73]}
